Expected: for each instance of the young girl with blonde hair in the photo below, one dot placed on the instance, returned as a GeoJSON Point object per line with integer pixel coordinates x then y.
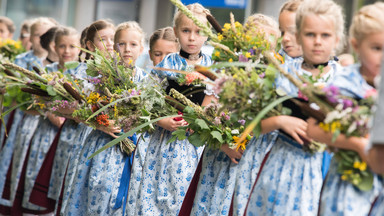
{"type": "Point", "coordinates": [290, 179]}
{"type": "Point", "coordinates": [169, 167]}
{"type": "Point", "coordinates": [340, 197]}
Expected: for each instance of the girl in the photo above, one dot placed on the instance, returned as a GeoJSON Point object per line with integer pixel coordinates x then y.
{"type": "Point", "coordinates": [26, 127]}
{"type": "Point", "coordinates": [7, 28]}
{"type": "Point", "coordinates": [367, 39]}
{"type": "Point", "coordinates": [47, 41]}
{"type": "Point", "coordinates": [25, 31]}
{"type": "Point", "coordinates": [219, 167]}
{"type": "Point", "coordinates": [290, 49]}
{"type": "Point", "coordinates": [169, 167]}
{"type": "Point", "coordinates": [290, 179]}
{"type": "Point", "coordinates": [249, 164]}
{"type": "Point", "coordinates": [98, 35]}
{"type": "Point", "coordinates": [102, 175]}
{"type": "Point", "coordinates": [161, 43]}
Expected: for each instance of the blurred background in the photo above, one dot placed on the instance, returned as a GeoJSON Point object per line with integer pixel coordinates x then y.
{"type": "Point", "coordinates": [150, 14]}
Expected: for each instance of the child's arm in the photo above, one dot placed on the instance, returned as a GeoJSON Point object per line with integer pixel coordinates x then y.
{"type": "Point", "coordinates": [376, 159]}
{"type": "Point", "coordinates": [232, 153]}
{"type": "Point", "coordinates": [295, 127]}
{"type": "Point", "coordinates": [356, 144]}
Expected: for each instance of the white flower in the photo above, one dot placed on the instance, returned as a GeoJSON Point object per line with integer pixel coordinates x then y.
{"type": "Point", "coordinates": [235, 132]}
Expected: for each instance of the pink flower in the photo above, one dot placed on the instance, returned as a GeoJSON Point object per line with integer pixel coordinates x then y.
{"type": "Point", "coordinates": [370, 93]}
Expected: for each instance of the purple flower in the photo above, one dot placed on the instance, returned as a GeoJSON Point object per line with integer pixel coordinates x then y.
{"type": "Point", "coordinates": [252, 51]}
{"type": "Point", "coordinates": [227, 117]}
{"type": "Point", "coordinates": [217, 121]}
{"type": "Point", "coordinates": [262, 75]}
{"type": "Point", "coordinates": [242, 121]}
{"type": "Point", "coordinates": [242, 58]}
{"type": "Point", "coordinates": [347, 103]}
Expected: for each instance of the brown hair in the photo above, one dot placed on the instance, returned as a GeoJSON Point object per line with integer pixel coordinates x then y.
{"type": "Point", "coordinates": [9, 23]}
{"type": "Point", "coordinates": [91, 31]}
{"type": "Point", "coordinates": [65, 31]}
{"type": "Point", "coordinates": [164, 34]}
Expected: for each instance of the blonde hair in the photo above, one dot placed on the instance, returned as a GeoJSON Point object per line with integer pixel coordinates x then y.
{"type": "Point", "coordinates": [9, 23]}
{"type": "Point", "coordinates": [324, 8]}
{"type": "Point", "coordinates": [65, 31]}
{"type": "Point", "coordinates": [261, 21]}
{"type": "Point", "coordinates": [164, 34]}
{"type": "Point", "coordinates": [196, 8]}
{"type": "Point", "coordinates": [130, 25]}
{"type": "Point", "coordinates": [291, 6]}
{"type": "Point", "coordinates": [42, 21]}
{"type": "Point", "coordinates": [369, 19]}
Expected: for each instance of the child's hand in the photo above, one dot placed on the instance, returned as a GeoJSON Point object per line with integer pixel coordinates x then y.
{"type": "Point", "coordinates": [55, 120]}
{"type": "Point", "coordinates": [295, 127]}
{"type": "Point", "coordinates": [171, 124]}
{"type": "Point", "coordinates": [111, 129]}
{"type": "Point", "coordinates": [232, 153]}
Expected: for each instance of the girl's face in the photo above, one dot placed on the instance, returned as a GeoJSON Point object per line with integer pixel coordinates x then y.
{"type": "Point", "coordinates": [128, 43]}
{"type": "Point", "coordinates": [288, 29]}
{"type": "Point", "coordinates": [160, 49]}
{"type": "Point", "coordinates": [103, 40]}
{"type": "Point", "coordinates": [4, 32]}
{"type": "Point", "coordinates": [370, 52]}
{"type": "Point", "coordinates": [317, 38]}
{"type": "Point", "coordinates": [35, 37]}
{"type": "Point", "coordinates": [67, 48]}
{"type": "Point", "coordinates": [189, 36]}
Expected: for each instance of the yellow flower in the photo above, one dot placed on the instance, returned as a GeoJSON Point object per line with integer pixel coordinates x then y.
{"type": "Point", "coordinates": [323, 126]}
{"type": "Point", "coordinates": [93, 98]}
{"type": "Point", "coordinates": [237, 24]}
{"type": "Point", "coordinates": [248, 55]}
{"type": "Point", "coordinates": [356, 164]}
{"type": "Point", "coordinates": [239, 145]}
{"type": "Point", "coordinates": [335, 125]}
{"type": "Point", "coordinates": [220, 37]}
{"type": "Point", "coordinates": [217, 53]}
{"type": "Point", "coordinates": [41, 105]}
{"type": "Point", "coordinates": [227, 26]}
{"type": "Point", "coordinates": [230, 60]}
{"type": "Point", "coordinates": [344, 177]}
{"type": "Point", "coordinates": [347, 172]}
{"type": "Point", "coordinates": [247, 37]}
{"type": "Point", "coordinates": [363, 166]}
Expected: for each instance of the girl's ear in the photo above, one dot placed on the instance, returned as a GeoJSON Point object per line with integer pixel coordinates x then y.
{"type": "Point", "coordinates": [355, 45]}
{"type": "Point", "coordinates": [176, 33]}
{"type": "Point", "coordinates": [90, 46]}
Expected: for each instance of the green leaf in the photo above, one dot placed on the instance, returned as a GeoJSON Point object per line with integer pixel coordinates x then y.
{"type": "Point", "coordinates": [105, 107]}
{"type": "Point", "coordinates": [202, 124]}
{"type": "Point", "coordinates": [50, 90]}
{"type": "Point", "coordinates": [217, 135]}
{"type": "Point", "coordinates": [196, 140]}
{"type": "Point", "coordinates": [127, 134]}
{"type": "Point", "coordinates": [71, 64]}
{"type": "Point", "coordinates": [180, 134]}
{"type": "Point", "coordinates": [335, 135]}
{"type": "Point", "coordinates": [367, 182]}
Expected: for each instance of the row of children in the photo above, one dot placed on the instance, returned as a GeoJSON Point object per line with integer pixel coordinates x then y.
{"type": "Point", "coordinates": [45, 166]}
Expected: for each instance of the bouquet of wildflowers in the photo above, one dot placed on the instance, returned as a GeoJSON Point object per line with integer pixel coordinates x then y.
{"type": "Point", "coordinates": [114, 96]}
{"type": "Point", "coordinates": [9, 49]}
{"type": "Point", "coordinates": [212, 128]}
{"type": "Point", "coordinates": [43, 92]}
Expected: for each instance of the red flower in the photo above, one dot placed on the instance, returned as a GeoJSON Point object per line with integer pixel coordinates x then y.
{"type": "Point", "coordinates": [102, 119]}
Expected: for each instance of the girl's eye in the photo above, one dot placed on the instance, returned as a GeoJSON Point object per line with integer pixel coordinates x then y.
{"type": "Point", "coordinates": [377, 48]}
{"type": "Point", "coordinates": [185, 30]}
{"type": "Point", "coordinates": [309, 34]}
{"type": "Point", "coordinates": [326, 35]}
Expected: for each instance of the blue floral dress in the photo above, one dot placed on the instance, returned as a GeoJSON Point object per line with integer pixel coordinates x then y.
{"type": "Point", "coordinates": [291, 179]}
{"type": "Point", "coordinates": [168, 167]}
{"type": "Point", "coordinates": [95, 183]}
{"type": "Point", "coordinates": [7, 152]}
{"type": "Point", "coordinates": [251, 161]}
{"type": "Point", "coordinates": [341, 197]}
{"type": "Point", "coordinates": [17, 146]}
